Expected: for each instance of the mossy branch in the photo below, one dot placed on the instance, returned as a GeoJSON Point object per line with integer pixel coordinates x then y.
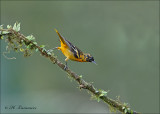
{"type": "Point", "coordinates": [27, 45]}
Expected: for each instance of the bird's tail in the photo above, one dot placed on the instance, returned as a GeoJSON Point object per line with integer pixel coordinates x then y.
{"type": "Point", "coordinates": [60, 36]}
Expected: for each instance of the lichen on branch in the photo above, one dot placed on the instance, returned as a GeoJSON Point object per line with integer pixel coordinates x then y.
{"type": "Point", "coordinates": [27, 45]}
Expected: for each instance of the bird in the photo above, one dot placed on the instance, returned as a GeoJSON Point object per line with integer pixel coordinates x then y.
{"type": "Point", "coordinates": [72, 52]}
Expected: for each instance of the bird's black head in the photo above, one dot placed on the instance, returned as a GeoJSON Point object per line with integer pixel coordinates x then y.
{"type": "Point", "coordinates": [89, 58]}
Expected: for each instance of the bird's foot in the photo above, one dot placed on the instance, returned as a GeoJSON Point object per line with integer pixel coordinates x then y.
{"type": "Point", "coordinates": [65, 67]}
{"type": "Point", "coordinates": [50, 50]}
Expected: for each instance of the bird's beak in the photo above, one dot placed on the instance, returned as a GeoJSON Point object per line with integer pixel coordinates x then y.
{"type": "Point", "coordinates": [94, 62]}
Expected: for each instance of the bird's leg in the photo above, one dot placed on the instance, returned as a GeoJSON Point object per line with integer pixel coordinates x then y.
{"type": "Point", "coordinates": [50, 50]}
{"type": "Point", "coordinates": [66, 67]}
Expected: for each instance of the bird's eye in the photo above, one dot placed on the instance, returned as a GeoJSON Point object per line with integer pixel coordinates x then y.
{"type": "Point", "coordinates": [91, 59]}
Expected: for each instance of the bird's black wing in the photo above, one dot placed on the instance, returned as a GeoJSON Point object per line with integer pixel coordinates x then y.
{"type": "Point", "coordinates": [77, 52]}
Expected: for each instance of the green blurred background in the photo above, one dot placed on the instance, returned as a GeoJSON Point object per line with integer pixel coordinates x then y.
{"type": "Point", "coordinates": [123, 37]}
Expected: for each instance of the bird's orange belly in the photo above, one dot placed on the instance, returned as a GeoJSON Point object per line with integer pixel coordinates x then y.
{"type": "Point", "coordinates": [68, 54]}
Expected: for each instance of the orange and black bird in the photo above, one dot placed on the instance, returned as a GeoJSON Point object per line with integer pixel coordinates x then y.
{"type": "Point", "coordinates": [72, 52]}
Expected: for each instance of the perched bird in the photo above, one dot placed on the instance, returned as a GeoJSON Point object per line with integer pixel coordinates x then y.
{"type": "Point", "coordinates": [72, 52]}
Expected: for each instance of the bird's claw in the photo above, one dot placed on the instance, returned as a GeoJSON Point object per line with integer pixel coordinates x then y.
{"type": "Point", "coordinates": [65, 67]}
{"type": "Point", "coordinates": [50, 50]}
